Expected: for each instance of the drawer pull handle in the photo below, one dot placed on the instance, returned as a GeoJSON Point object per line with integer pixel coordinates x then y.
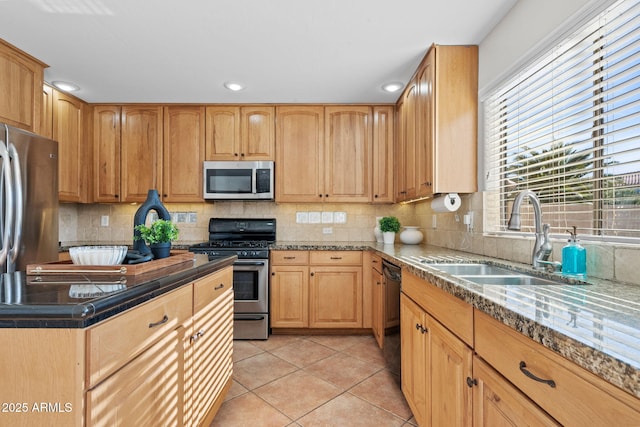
{"type": "Point", "coordinates": [336, 257]}
{"type": "Point", "coordinates": [289, 257]}
{"type": "Point", "coordinates": [164, 320]}
{"type": "Point", "coordinates": [220, 286]}
{"type": "Point", "coordinates": [523, 369]}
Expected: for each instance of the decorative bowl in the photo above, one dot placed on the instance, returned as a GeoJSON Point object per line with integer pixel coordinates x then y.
{"type": "Point", "coordinates": [97, 255]}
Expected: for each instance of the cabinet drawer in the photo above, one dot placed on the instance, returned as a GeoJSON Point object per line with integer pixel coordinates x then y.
{"type": "Point", "coordinates": [335, 257]}
{"type": "Point", "coordinates": [113, 343]}
{"type": "Point", "coordinates": [577, 397]}
{"type": "Point", "coordinates": [455, 314]}
{"type": "Point", "coordinates": [289, 257]}
{"type": "Point", "coordinates": [211, 287]}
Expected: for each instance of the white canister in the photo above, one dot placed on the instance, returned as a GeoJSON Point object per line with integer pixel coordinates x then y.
{"type": "Point", "coordinates": [411, 235]}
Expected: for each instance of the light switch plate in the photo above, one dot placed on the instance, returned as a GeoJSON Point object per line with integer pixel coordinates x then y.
{"type": "Point", "coordinates": [314, 217]}
{"type": "Point", "coordinates": [302, 217]}
{"type": "Point", "coordinates": [340, 217]}
{"type": "Point", "coordinates": [327, 217]}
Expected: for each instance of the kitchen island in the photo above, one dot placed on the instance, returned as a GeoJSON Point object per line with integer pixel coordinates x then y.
{"type": "Point", "coordinates": [81, 352]}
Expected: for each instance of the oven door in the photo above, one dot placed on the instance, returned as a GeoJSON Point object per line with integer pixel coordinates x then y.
{"type": "Point", "coordinates": [251, 286]}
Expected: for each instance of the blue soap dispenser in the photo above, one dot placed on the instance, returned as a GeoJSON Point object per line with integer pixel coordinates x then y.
{"type": "Point", "coordinates": [574, 257]}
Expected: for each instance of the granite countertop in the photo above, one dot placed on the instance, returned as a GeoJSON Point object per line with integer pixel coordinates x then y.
{"type": "Point", "coordinates": [596, 325]}
{"type": "Point", "coordinates": [78, 301]}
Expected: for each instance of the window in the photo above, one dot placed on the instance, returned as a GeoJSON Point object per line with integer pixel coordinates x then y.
{"type": "Point", "coordinates": [567, 127]}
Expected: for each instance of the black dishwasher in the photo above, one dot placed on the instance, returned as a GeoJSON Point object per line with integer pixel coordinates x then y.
{"type": "Point", "coordinates": [391, 349]}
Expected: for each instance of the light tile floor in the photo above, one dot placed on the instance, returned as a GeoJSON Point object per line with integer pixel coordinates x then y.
{"type": "Point", "coordinates": [310, 381]}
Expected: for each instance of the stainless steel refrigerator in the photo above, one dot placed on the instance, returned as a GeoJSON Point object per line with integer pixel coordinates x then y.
{"type": "Point", "coordinates": [28, 199]}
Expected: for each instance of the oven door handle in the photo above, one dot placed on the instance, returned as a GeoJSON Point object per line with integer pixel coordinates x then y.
{"type": "Point", "coordinates": [249, 263]}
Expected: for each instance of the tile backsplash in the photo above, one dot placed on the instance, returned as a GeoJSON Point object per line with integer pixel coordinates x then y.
{"type": "Point", "coordinates": [81, 224]}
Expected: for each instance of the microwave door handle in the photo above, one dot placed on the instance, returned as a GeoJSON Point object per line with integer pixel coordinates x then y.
{"type": "Point", "coordinates": [254, 181]}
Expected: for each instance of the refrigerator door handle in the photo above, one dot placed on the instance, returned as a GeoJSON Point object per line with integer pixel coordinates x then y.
{"type": "Point", "coordinates": [7, 227]}
{"type": "Point", "coordinates": [18, 188]}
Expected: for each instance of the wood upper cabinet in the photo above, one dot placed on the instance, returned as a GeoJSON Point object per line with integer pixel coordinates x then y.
{"type": "Point", "coordinates": [382, 154]}
{"type": "Point", "coordinates": [406, 164]}
{"type": "Point", "coordinates": [140, 151]}
{"type": "Point", "coordinates": [240, 133]}
{"type": "Point", "coordinates": [299, 153]}
{"type": "Point", "coordinates": [73, 151]}
{"type": "Point", "coordinates": [46, 116]}
{"type": "Point", "coordinates": [21, 80]}
{"type": "Point", "coordinates": [438, 119]}
{"type": "Point", "coordinates": [183, 154]}
{"type": "Point", "coordinates": [106, 154]}
{"type": "Point", "coordinates": [348, 141]}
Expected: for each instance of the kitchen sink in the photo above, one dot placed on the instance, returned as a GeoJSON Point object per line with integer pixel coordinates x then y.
{"type": "Point", "coordinates": [487, 274]}
{"type": "Point", "coordinates": [473, 269]}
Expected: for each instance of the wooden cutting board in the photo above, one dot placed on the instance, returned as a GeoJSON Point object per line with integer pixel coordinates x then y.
{"type": "Point", "coordinates": [67, 267]}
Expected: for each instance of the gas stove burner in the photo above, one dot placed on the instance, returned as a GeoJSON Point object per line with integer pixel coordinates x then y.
{"type": "Point", "coordinates": [246, 238]}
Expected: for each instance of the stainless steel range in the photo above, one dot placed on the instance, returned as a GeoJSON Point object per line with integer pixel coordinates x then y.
{"type": "Point", "coordinates": [249, 239]}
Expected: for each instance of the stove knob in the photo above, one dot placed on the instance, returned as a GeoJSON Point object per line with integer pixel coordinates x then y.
{"type": "Point", "coordinates": [243, 253]}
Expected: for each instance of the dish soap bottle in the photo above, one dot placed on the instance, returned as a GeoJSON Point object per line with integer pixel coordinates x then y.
{"type": "Point", "coordinates": [574, 257]}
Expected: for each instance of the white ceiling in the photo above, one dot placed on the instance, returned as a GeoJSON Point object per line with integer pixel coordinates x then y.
{"type": "Point", "coordinates": [284, 51]}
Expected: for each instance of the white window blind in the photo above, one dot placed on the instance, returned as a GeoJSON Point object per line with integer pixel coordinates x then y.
{"type": "Point", "coordinates": [567, 127]}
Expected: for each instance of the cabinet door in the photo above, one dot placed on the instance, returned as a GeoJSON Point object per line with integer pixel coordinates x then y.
{"type": "Point", "coordinates": [425, 126]}
{"type": "Point", "coordinates": [21, 87]}
{"type": "Point", "coordinates": [46, 121]}
{"type": "Point", "coordinates": [289, 296]}
{"type": "Point", "coordinates": [106, 155]}
{"type": "Point", "coordinates": [335, 297]}
{"type": "Point", "coordinates": [141, 151]}
{"type": "Point", "coordinates": [183, 154]}
{"type": "Point", "coordinates": [257, 133]}
{"type": "Point", "coordinates": [222, 141]}
{"type": "Point", "coordinates": [409, 123]}
{"type": "Point", "coordinates": [146, 392]}
{"type": "Point", "coordinates": [399, 158]}
{"type": "Point", "coordinates": [450, 367]}
{"type": "Point", "coordinates": [498, 403]}
{"type": "Point", "coordinates": [68, 131]}
{"type": "Point", "coordinates": [211, 363]}
{"type": "Point", "coordinates": [382, 154]}
{"type": "Point", "coordinates": [299, 154]}
{"type": "Point", "coordinates": [415, 360]}
{"type": "Point", "coordinates": [347, 171]}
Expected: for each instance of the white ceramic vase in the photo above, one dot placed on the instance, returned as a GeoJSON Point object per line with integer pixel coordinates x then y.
{"type": "Point", "coordinates": [388, 237]}
{"type": "Point", "coordinates": [411, 235]}
{"type": "Point", "coordinates": [377, 233]}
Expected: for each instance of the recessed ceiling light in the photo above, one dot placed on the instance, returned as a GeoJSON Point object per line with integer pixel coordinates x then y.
{"type": "Point", "coordinates": [392, 87]}
{"type": "Point", "coordinates": [234, 86]}
{"type": "Point", "coordinates": [65, 86]}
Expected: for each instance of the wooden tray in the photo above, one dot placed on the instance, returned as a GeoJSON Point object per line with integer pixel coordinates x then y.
{"type": "Point", "coordinates": [67, 267]}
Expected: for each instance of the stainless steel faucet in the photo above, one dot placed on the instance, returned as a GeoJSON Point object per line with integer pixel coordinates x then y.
{"type": "Point", "coordinates": [542, 247]}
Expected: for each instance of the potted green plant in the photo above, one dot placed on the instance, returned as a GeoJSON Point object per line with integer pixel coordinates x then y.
{"type": "Point", "coordinates": [389, 226]}
{"type": "Point", "coordinates": [158, 236]}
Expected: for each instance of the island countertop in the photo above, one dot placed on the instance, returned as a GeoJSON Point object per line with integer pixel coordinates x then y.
{"type": "Point", "coordinates": [595, 325]}
{"type": "Point", "coordinates": [80, 301]}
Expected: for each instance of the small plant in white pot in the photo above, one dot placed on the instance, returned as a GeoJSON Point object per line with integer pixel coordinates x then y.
{"type": "Point", "coordinates": [389, 225]}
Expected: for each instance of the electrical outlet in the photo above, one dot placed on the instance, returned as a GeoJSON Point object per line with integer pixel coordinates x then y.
{"type": "Point", "coordinates": [434, 222]}
{"type": "Point", "coordinates": [104, 221]}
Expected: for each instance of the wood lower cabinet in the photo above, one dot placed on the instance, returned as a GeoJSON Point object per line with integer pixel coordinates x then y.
{"type": "Point", "coordinates": [166, 362]}
{"type": "Point", "coordinates": [148, 391]}
{"type": "Point", "coordinates": [316, 289]}
{"type": "Point", "coordinates": [210, 362]}
{"type": "Point", "coordinates": [498, 403]}
{"type": "Point", "coordinates": [576, 397]}
{"type": "Point", "coordinates": [435, 368]}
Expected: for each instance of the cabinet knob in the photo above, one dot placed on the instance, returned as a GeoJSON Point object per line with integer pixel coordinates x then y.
{"type": "Point", "coordinates": [273, 273]}
{"type": "Point", "coordinates": [375, 196]}
{"type": "Point", "coordinates": [235, 154]}
{"type": "Point", "coordinates": [313, 274]}
{"type": "Point", "coordinates": [471, 381]}
{"type": "Point", "coordinates": [241, 154]}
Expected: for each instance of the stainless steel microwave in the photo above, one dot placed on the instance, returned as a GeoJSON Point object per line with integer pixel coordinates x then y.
{"type": "Point", "coordinates": [247, 180]}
